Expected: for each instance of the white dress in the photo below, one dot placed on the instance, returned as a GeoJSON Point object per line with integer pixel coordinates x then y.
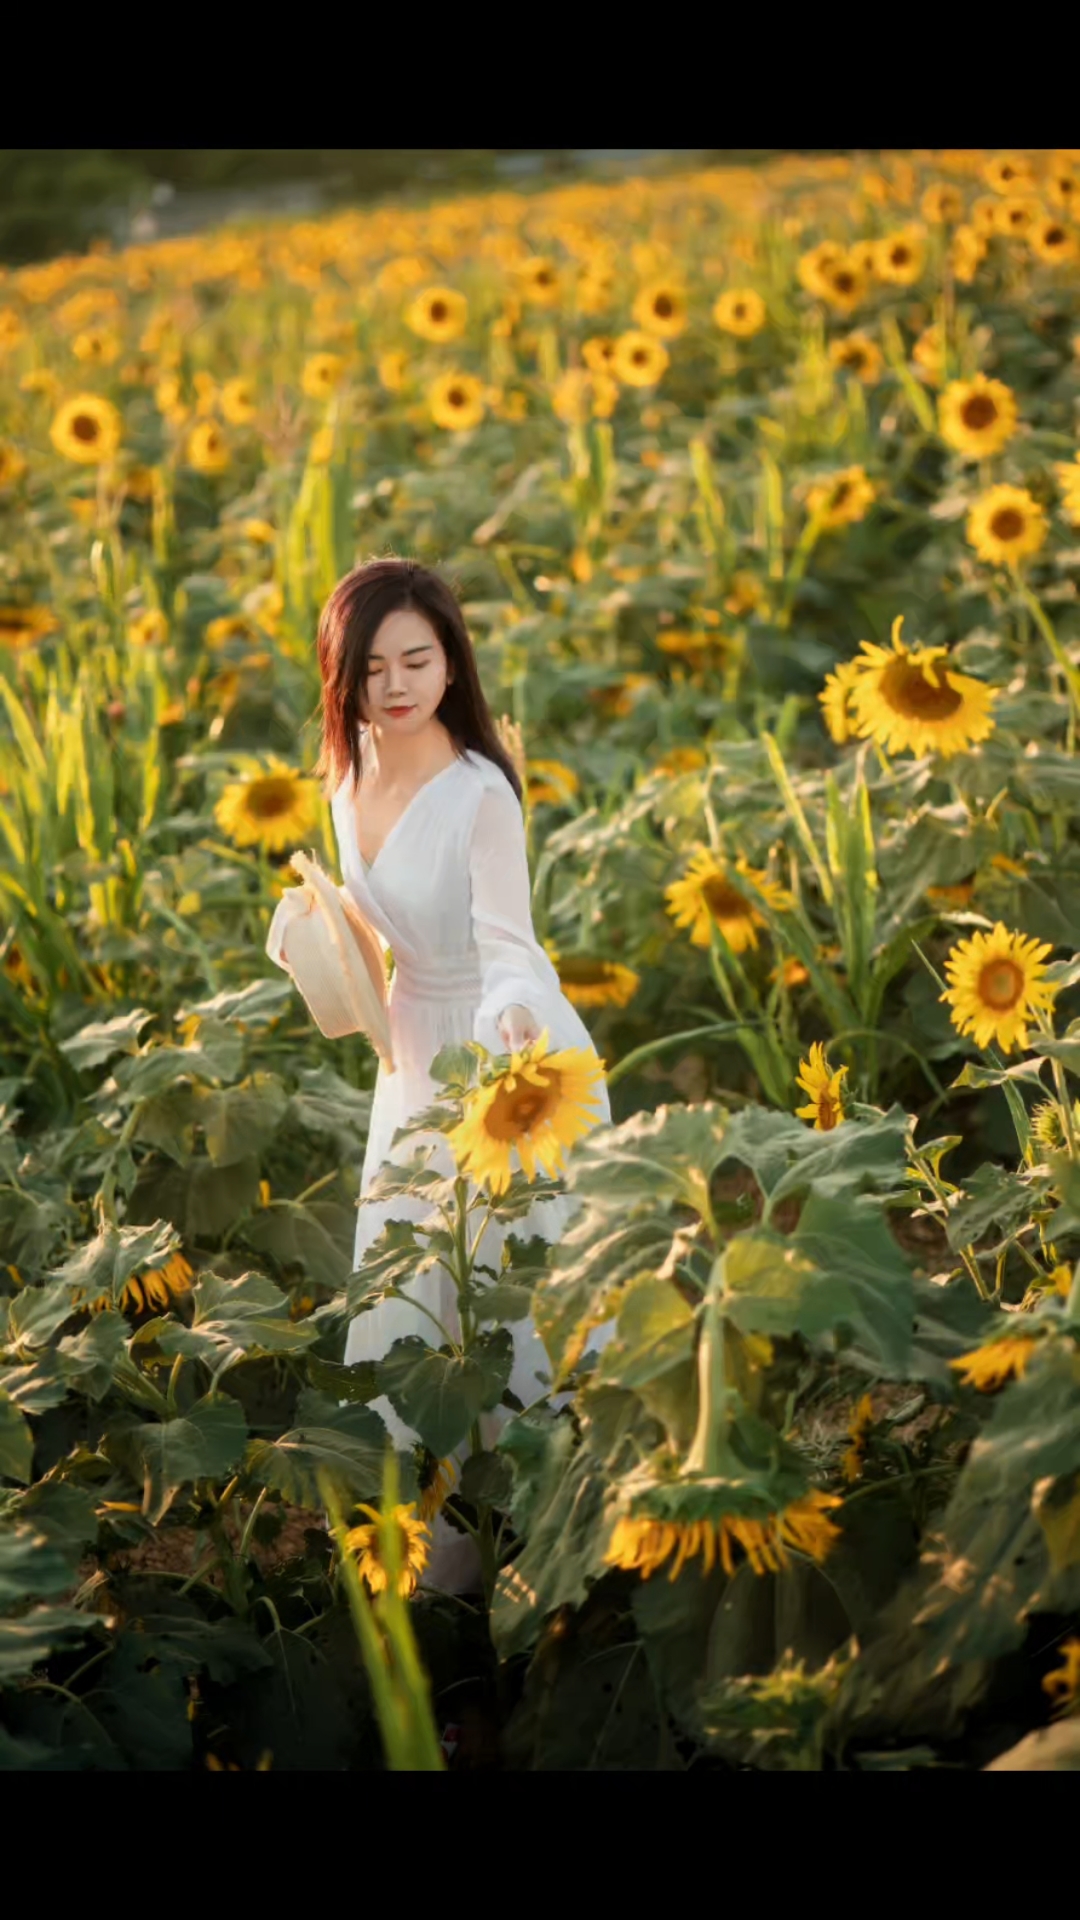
{"type": "Point", "coordinates": [449, 892]}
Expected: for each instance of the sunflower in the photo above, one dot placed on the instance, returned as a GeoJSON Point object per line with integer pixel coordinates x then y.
{"type": "Point", "coordinates": [1062, 1684]}
{"type": "Point", "coordinates": [660, 309]}
{"type": "Point", "coordinates": [678, 760]}
{"type": "Point", "coordinates": [642, 1545]}
{"type": "Point", "coordinates": [139, 483]}
{"type": "Point", "coordinates": [639, 360]}
{"type": "Point", "coordinates": [823, 1086]}
{"type": "Point", "coordinates": [810, 269]}
{"type": "Point", "coordinates": [906, 702]}
{"type": "Point", "coordinates": [571, 396]}
{"type": "Point", "coordinates": [991, 1365]}
{"type": "Point", "coordinates": [1063, 188]}
{"type": "Point", "coordinates": [539, 281]}
{"type": "Point", "coordinates": [1017, 215]}
{"type": "Point", "coordinates": [541, 1103]}
{"type": "Point", "coordinates": [230, 626]}
{"type": "Point", "coordinates": [150, 1289]}
{"type": "Point", "coordinates": [707, 895]}
{"type": "Point", "coordinates": [745, 594]}
{"type": "Point", "coordinates": [589, 981]}
{"type": "Point", "coordinates": [414, 1549]}
{"type": "Point", "coordinates": [977, 417]}
{"type": "Point", "coordinates": [900, 257]}
{"type": "Point", "coordinates": [598, 353]}
{"type": "Point", "coordinates": [238, 401]}
{"type": "Point", "coordinates": [272, 810]}
{"type": "Point", "coordinates": [87, 429]}
{"type": "Point", "coordinates": [997, 987]}
{"type": "Point", "coordinates": [966, 254]}
{"type": "Point", "coordinates": [983, 215]}
{"type": "Point", "coordinates": [1068, 473]}
{"type": "Point", "coordinates": [321, 448]}
{"type": "Point", "coordinates": [942, 204]}
{"type": "Point", "coordinates": [97, 346]}
{"type": "Point", "coordinates": [207, 448]}
{"type": "Point", "coordinates": [741, 311]}
{"type": "Point", "coordinates": [842, 499]}
{"type": "Point", "coordinates": [148, 629]}
{"type": "Point", "coordinates": [1006, 525]}
{"type": "Point", "coordinates": [439, 313]}
{"type": "Point", "coordinates": [1052, 242]}
{"type": "Point", "coordinates": [552, 781]}
{"type": "Point", "coordinates": [456, 401]}
{"type": "Point", "coordinates": [856, 353]}
{"type": "Point", "coordinates": [41, 380]}
{"type": "Point", "coordinates": [12, 331]}
{"type": "Point", "coordinates": [595, 290]}
{"type": "Point", "coordinates": [391, 368]}
{"type": "Point", "coordinates": [12, 464]}
{"type": "Point", "coordinates": [434, 1495]}
{"type": "Point", "coordinates": [259, 532]}
{"type": "Point", "coordinates": [1008, 173]}
{"type": "Point", "coordinates": [928, 354]}
{"type": "Point", "coordinates": [24, 626]}
{"type": "Point", "coordinates": [605, 396]}
{"type": "Point", "coordinates": [844, 283]}
{"type": "Point", "coordinates": [322, 375]}
{"type": "Point", "coordinates": [834, 700]}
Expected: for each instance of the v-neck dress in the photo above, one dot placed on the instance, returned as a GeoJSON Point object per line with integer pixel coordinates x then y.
{"type": "Point", "coordinates": [449, 894]}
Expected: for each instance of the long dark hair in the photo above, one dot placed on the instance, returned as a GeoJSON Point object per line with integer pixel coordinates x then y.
{"type": "Point", "coordinates": [349, 622]}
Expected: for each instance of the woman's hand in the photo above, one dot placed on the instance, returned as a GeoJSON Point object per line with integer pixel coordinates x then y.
{"type": "Point", "coordinates": [518, 1027]}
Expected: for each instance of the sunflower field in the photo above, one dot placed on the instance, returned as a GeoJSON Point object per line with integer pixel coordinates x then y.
{"type": "Point", "coordinates": [761, 489]}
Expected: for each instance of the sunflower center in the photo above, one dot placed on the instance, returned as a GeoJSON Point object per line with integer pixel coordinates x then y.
{"type": "Point", "coordinates": [978, 412]}
{"type": "Point", "coordinates": [1053, 237]}
{"type": "Point", "coordinates": [639, 357]}
{"type": "Point", "coordinates": [909, 692]}
{"type": "Point", "coordinates": [581, 971]}
{"type": "Point", "coordinates": [84, 427]}
{"type": "Point", "coordinates": [268, 798]}
{"type": "Point", "coordinates": [854, 357]}
{"type": "Point", "coordinates": [513, 1113]}
{"type": "Point", "coordinates": [1007, 523]}
{"type": "Point", "coordinates": [739, 310]}
{"type": "Point", "coordinates": [456, 397]}
{"type": "Point", "coordinates": [826, 1110]}
{"type": "Point", "coordinates": [663, 306]}
{"type": "Point", "coordinates": [839, 494]}
{"type": "Point", "coordinates": [438, 309]}
{"type": "Point", "coordinates": [1001, 984]}
{"type": "Point", "coordinates": [723, 900]}
{"type": "Point", "coordinates": [843, 282]}
{"type": "Point", "coordinates": [544, 277]}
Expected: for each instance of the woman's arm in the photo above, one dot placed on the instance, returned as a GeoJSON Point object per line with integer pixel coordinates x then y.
{"type": "Point", "coordinates": [519, 980]}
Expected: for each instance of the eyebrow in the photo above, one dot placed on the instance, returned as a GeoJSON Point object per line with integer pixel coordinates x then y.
{"type": "Point", "coordinates": [424, 648]}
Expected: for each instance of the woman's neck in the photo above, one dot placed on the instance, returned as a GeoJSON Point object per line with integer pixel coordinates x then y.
{"type": "Point", "coordinates": [402, 763]}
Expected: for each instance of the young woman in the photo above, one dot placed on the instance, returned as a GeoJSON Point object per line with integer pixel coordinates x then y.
{"type": "Point", "coordinates": [426, 804]}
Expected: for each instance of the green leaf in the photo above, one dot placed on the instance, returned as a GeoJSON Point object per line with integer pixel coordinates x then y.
{"type": "Point", "coordinates": [358, 1383]}
{"type": "Point", "coordinates": [89, 1359]}
{"type": "Point", "coordinates": [99, 1040]}
{"type": "Point", "coordinates": [241, 1120]}
{"type": "Point", "coordinates": [993, 1196]}
{"type": "Point", "coordinates": [439, 1394]}
{"type": "Point", "coordinates": [494, 1354]}
{"type": "Point", "coordinates": [201, 1200]}
{"type": "Point", "coordinates": [487, 1479]}
{"type": "Point", "coordinates": [106, 1263]}
{"type": "Point", "coordinates": [234, 1318]}
{"type": "Point", "coordinates": [352, 1451]}
{"type": "Point", "coordinates": [30, 1639]}
{"type": "Point", "coordinates": [16, 1441]}
{"type": "Point", "coordinates": [318, 1237]}
{"type": "Point", "coordinates": [33, 1565]}
{"type": "Point", "coordinates": [205, 1443]}
{"type": "Point", "coordinates": [656, 1332]}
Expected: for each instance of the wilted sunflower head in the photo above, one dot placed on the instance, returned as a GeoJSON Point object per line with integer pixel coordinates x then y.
{"type": "Point", "coordinates": [414, 1548]}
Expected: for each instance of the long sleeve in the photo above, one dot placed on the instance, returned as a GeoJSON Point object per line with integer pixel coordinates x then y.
{"type": "Point", "coordinates": [515, 968]}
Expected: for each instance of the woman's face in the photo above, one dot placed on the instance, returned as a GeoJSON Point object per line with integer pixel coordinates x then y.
{"type": "Point", "coordinates": [407, 669]}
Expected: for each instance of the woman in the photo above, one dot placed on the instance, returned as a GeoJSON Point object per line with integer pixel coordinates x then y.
{"type": "Point", "coordinates": [426, 805]}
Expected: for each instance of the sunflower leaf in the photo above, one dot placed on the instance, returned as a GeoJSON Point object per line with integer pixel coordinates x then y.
{"type": "Point", "coordinates": [439, 1393]}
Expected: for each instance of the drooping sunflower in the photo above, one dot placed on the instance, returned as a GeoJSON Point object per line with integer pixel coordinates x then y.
{"type": "Point", "coordinates": [977, 417]}
{"type": "Point", "coordinates": [456, 401]}
{"type": "Point", "coordinates": [842, 499]}
{"type": "Point", "coordinates": [12, 464]}
{"type": "Point", "coordinates": [908, 700]}
{"type": "Point", "coordinates": [1053, 242]}
{"type": "Point", "coordinates": [24, 626]}
{"type": "Point", "coordinates": [639, 360]}
{"type": "Point", "coordinates": [989, 1366]}
{"type": "Point", "coordinates": [1062, 1684]}
{"type": "Point", "coordinates": [858, 354]}
{"type": "Point", "coordinates": [150, 1289]}
{"type": "Point", "coordinates": [434, 1495]}
{"type": "Point", "coordinates": [741, 312]}
{"type": "Point", "coordinates": [642, 1544]}
{"type": "Point", "coordinates": [859, 1424]}
{"type": "Point", "coordinates": [272, 810]}
{"type": "Point", "coordinates": [1006, 525]}
{"type": "Point", "coordinates": [439, 313]}
{"type": "Point", "coordinates": [824, 1087]}
{"type": "Point", "coordinates": [322, 375]}
{"type": "Point", "coordinates": [660, 308]}
{"type": "Point", "coordinates": [551, 781]}
{"type": "Point", "coordinates": [997, 986]}
{"type": "Point", "coordinates": [238, 401]}
{"type": "Point", "coordinates": [415, 1548]}
{"type": "Point", "coordinates": [707, 895]}
{"type": "Point", "coordinates": [207, 448]}
{"type": "Point", "coordinates": [589, 981]}
{"type": "Point", "coordinates": [87, 428]}
{"type": "Point", "coordinates": [900, 257]}
{"type": "Point", "coordinates": [540, 1104]}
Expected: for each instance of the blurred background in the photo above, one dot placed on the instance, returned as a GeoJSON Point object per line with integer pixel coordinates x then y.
{"type": "Point", "coordinates": [62, 199]}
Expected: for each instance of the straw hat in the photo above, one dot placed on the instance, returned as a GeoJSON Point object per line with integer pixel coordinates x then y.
{"type": "Point", "coordinates": [319, 936]}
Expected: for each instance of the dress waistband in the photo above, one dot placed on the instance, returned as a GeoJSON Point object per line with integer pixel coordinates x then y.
{"type": "Point", "coordinates": [450, 979]}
